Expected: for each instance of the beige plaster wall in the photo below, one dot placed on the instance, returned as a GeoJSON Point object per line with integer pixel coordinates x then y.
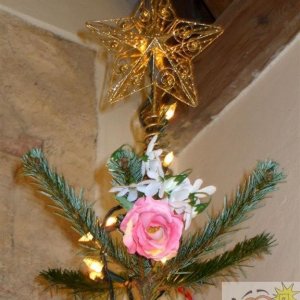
{"type": "Point", "coordinates": [263, 122]}
{"type": "Point", "coordinates": [47, 99]}
{"type": "Point", "coordinates": [65, 17]}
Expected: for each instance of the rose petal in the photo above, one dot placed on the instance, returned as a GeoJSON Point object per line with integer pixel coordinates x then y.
{"type": "Point", "coordinates": [152, 229]}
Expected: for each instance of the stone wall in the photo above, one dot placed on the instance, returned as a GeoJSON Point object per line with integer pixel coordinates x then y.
{"type": "Point", "coordinates": [47, 99]}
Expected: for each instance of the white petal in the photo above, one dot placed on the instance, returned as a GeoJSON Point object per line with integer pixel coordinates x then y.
{"type": "Point", "coordinates": [161, 191]}
{"type": "Point", "coordinates": [153, 174]}
{"type": "Point", "coordinates": [152, 144]}
{"type": "Point", "coordinates": [151, 156]}
{"type": "Point", "coordinates": [116, 189]}
{"type": "Point", "coordinates": [123, 192]}
{"type": "Point", "coordinates": [149, 187]}
{"type": "Point", "coordinates": [143, 168]}
{"type": "Point", "coordinates": [144, 182]}
{"type": "Point", "coordinates": [180, 195]}
{"type": "Point", "coordinates": [179, 211]}
{"type": "Point", "coordinates": [132, 196]}
{"type": "Point", "coordinates": [157, 153]}
{"type": "Point", "coordinates": [152, 189]}
{"type": "Point", "coordinates": [141, 189]}
{"type": "Point", "coordinates": [178, 205]}
{"type": "Point", "coordinates": [160, 171]}
{"type": "Point", "coordinates": [208, 190]}
{"type": "Point", "coordinates": [170, 185]}
{"type": "Point", "coordinates": [197, 184]}
{"type": "Point", "coordinates": [155, 164]}
{"type": "Point", "coordinates": [188, 221]}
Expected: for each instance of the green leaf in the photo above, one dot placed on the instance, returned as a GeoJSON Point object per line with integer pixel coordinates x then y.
{"type": "Point", "coordinates": [182, 176]}
{"type": "Point", "coordinates": [125, 203]}
{"type": "Point", "coordinates": [201, 207]}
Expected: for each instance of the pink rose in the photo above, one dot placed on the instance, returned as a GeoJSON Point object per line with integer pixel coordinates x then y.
{"type": "Point", "coordinates": [152, 229]}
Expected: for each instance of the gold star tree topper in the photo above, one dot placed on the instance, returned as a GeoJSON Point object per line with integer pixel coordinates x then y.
{"type": "Point", "coordinates": [154, 41]}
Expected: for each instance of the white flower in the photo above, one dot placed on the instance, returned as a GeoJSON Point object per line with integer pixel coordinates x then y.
{"type": "Point", "coordinates": [149, 187]}
{"type": "Point", "coordinates": [122, 191]}
{"type": "Point", "coordinates": [167, 186]}
{"type": "Point", "coordinates": [152, 165]}
{"type": "Point", "coordinates": [204, 192]}
{"type": "Point", "coordinates": [185, 209]}
{"type": "Point", "coordinates": [179, 198]}
{"type": "Point", "coordinates": [181, 192]}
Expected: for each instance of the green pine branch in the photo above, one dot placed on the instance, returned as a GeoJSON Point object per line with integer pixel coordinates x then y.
{"type": "Point", "coordinates": [186, 268]}
{"type": "Point", "coordinates": [73, 280]}
{"type": "Point", "coordinates": [67, 204]}
{"type": "Point", "coordinates": [132, 262]}
{"type": "Point", "coordinates": [72, 207]}
{"type": "Point", "coordinates": [125, 166]}
{"type": "Point", "coordinates": [76, 282]}
{"type": "Point", "coordinates": [261, 182]}
{"type": "Point", "coordinates": [222, 265]}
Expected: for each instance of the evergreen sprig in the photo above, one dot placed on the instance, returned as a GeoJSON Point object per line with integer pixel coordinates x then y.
{"type": "Point", "coordinates": [189, 267]}
{"type": "Point", "coordinates": [67, 204]}
{"type": "Point", "coordinates": [125, 166]}
{"type": "Point", "coordinates": [261, 182]}
{"type": "Point", "coordinates": [223, 265]}
{"type": "Point", "coordinates": [75, 281]}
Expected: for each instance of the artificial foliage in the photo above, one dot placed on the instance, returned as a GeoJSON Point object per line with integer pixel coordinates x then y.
{"type": "Point", "coordinates": [200, 258]}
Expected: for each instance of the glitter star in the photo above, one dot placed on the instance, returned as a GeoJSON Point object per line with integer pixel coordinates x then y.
{"type": "Point", "coordinates": [154, 41]}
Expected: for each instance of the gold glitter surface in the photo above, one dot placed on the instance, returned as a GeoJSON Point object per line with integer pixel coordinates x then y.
{"type": "Point", "coordinates": [155, 42]}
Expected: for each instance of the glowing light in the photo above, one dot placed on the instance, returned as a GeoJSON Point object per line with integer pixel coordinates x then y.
{"type": "Point", "coordinates": [171, 111]}
{"type": "Point", "coordinates": [96, 275]}
{"type": "Point", "coordinates": [155, 32]}
{"type": "Point", "coordinates": [164, 260]}
{"type": "Point", "coordinates": [94, 265]}
{"type": "Point", "coordinates": [86, 238]}
{"type": "Point", "coordinates": [111, 221]}
{"type": "Point", "coordinates": [168, 159]}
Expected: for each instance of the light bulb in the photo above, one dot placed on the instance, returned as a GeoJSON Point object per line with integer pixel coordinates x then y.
{"type": "Point", "coordinates": [171, 111]}
{"type": "Point", "coordinates": [95, 275]}
{"type": "Point", "coordinates": [86, 238]}
{"type": "Point", "coordinates": [96, 268]}
{"type": "Point", "coordinates": [164, 260]}
{"type": "Point", "coordinates": [168, 159]}
{"type": "Point", "coordinates": [94, 265]}
{"type": "Point", "coordinates": [111, 221]}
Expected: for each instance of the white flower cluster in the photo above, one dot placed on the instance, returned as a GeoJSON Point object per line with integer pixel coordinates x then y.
{"type": "Point", "coordinates": [182, 196]}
